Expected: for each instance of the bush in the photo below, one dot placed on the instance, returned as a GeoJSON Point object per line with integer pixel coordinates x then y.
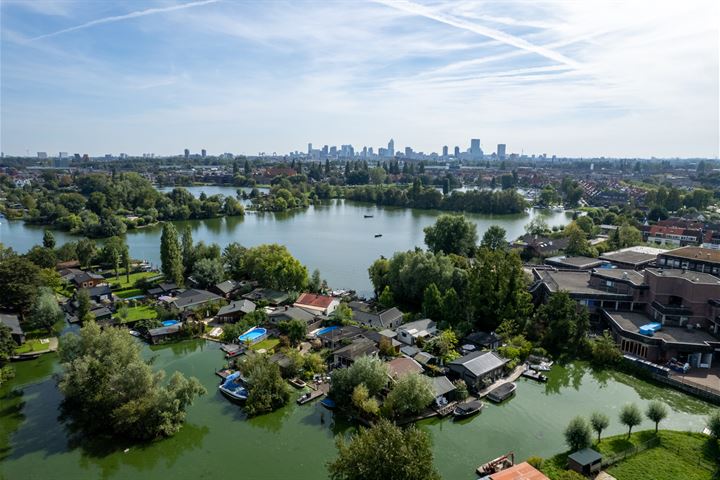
{"type": "Point", "coordinates": [536, 462]}
{"type": "Point", "coordinates": [577, 434]}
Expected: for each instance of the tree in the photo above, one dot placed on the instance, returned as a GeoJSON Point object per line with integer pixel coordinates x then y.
{"type": "Point", "coordinates": [599, 422]}
{"type": "Point", "coordinates": [628, 236]}
{"type": "Point", "coordinates": [451, 234]}
{"type": "Point", "coordinates": [366, 370]}
{"type": "Point", "coordinates": [386, 298]}
{"type": "Point", "coordinates": [444, 345]}
{"type": "Point", "coordinates": [267, 391]}
{"type": "Point", "coordinates": [42, 257]}
{"type": "Point", "coordinates": [656, 412]}
{"type": "Point", "coordinates": [207, 272]}
{"type": "Point", "coordinates": [714, 424]}
{"type": "Point", "coordinates": [494, 238]}
{"type": "Point", "coordinates": [432, 303]}
{"type": "Point", "coordinates": [315, 282]}
{"type": "Point", "coordinates": [7, 344]}
{"type": "Point", "coordinates": [342, 315]}
{"type": "Point", "coordinates": [233, 259]}
{"type": "Point", "coordinates": [384, 452]}
{"type": "Point", "coordinates": [83, 311]}
{"type": "Point", "coordinates": [561, 324]}
{"type": "Point", "coordinates": [104, 376]}
{"type": "Point", "coordinates": [45, 312]}
{"type": "Point", "coordinates": [537, 226]}
{"type": "Point", "coordinates": [577, 241]}
{"type": "Point", "coordinates": [19, 282]}
{"type": "Point", "coordinates": [577, 434]}
{"type": "Point", "coordinates": [86, 250]}
{"type": "Point", "coordinates": [630, 416]}
{"type": "Point", "coordinates": [170, 254]}
{"type": "Point", "coordinates": [114, 251]}
{"type": "Point", "coordinates": [273, 266]}
{"type": "Point", "coordinates": [48, 239]}
{"type": "Point", "coordinates": [363, 402]}
{"type": "Point", "coordinates": [294, 329]}
{"type": "Point", "coordinates": [604, 350]}
{"type": "Point", "coordinates": [411, 394]}
{"type": "Point", "coordinates": [188, 250]}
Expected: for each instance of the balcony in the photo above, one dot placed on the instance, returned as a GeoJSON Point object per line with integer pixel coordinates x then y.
{"type": "Point", "coordinates": [678, 310]}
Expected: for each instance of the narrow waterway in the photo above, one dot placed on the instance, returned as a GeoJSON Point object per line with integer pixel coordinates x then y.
{"type": "Point", "coordinates": [297, 441]}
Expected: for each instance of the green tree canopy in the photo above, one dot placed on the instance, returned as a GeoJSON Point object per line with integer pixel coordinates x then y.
{"type": "Point", "coordinates": [45, 312]}
{"type": "Point", "coordinates": [561, 324]}
{"type": "Point", "coordinates": [19, 283]}
{"type": "Point", "coordinates": [411, 394]}
{"type": "Point", "coordinates": [630, 416]}
{"type": "Point", "coordinates": [294, 329]}
{"type": "Point", "coordinates": [208, 272]}
{"type": "Point", "coordinates": [273, 266]}
{"type": "Point", "coordinates": [599, 422]}
{"type": "Point", "coordinates": [494, 238]}
{"type": "Point", "coordinates": [656, 412]}
{"type": "Point", "coordinates": [267, 391]}
{"type": "Point", "coordinates": [577, 434]}
{"type": "Point", "coordinates": [170, 254]}
{"type": "Point", "coordinates": [104, 376]}
{"type": "Point", "coordinates": [384, 452]}
{"type": "Point", "coordinates": [451, 234]}
{"type": "Point", "coordinates": [366, 370]}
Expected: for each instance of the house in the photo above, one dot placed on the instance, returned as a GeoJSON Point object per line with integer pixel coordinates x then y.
{"type": "Point", "coordinates": [193, 298]}
{"type": "Point", "coordinates": [235, 310]}
{"type": "Point", "coordinates": [68, 274]}
{"type": "Point", "coordinates": [59, 266]}
{"type": "Point", "coordinates": [226, 289]}
{"type": "Point", "coordinates": [284, 362]}
{"type": "Point", "coordinates": [539, 246]}
{"type": "Point", "coordinates": [267, 295]}
{"type": "Point", "coordinates": [13, 323]}
{"type": "Point", "coordinates": [87, 280]}
{"type": "Point", "coordinates": [101, 293]}
{"type": "Point", "coordinates": [359, 347]}
{"type": "Point", "coordinates": [159, 335]}
{"type": "Point", "coordinates": [441, 387]}
{"type": "Point", "coordinates": [586, 461]}
{"type": "Point", "coordinates": [482, 340]}
{"type": "Point", "coordinates": [378, 337]}
{"type": "Point", "coordinates": [521, 471]}
{"type": "Point", "coordinates": [322, 304]}
{"type": "Point", "coordinates": [336, 337]}
{"type": "Point", "coordinates": [409, 333]}
{"type": "Point", "coordinates": [367, 317]}
{"type": "Point", "coordinates": [478, 369]}
{"type": "Point", "coordinates": [163, 289]}
{"type": "Point", "coordinates": [101, 313]}
{"type": "Point", "coordinates": [401, 366]}
{"type": "Point", "coordinates": [287, 313]}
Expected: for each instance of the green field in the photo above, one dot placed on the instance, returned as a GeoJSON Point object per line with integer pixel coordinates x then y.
{"type": "Point", "coordinates": [690, 456]}
{"type": "Point", "coordinates": [130, 292]}
{"type": "Point", "coordinates": [30, 346]}
{"type": "Point", "coordinates": [138, 313]}
{"type": "Point", "coordinates": [123, 283]}
{"type": "Point", "coordinates": [268, 344]}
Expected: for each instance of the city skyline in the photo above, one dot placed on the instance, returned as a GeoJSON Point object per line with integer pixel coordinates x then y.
{"type": "Point", "coordinates": [574, 80]}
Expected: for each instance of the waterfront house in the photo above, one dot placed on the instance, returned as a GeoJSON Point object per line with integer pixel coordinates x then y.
{"type": "Point", "coordinates": [322, 304]}
{"type": "Point", "coordinates": [358, 347]}
{"type": "Point", "coordinates": [367, 317]}
{"type": "Point", "coordinates": [337, 337]}
{"type": "Point", "coordinates": [478, 369]}
{"type": "Point", "coordinates": [409, 333]}
{"type": "Point", "coordinates": [378, 337]}
{"type": "Point", "coordinates": [87, 280]}
{"type": "Point", "coordinates": [193, 298]}
{"type": "Point", "coordinates": [442, 386]}
{"type": "Point", "coordinates": [235, 311]}
{"type": "Point", "coordinates": [101, 314]}
{"type": "Point", "coordinates": [287, 313]}
{"type": "Point", "coordinates": [159, 335]}
{"type": "Point", "coordinates": [163, 289]}
{"type": "Point", "coordinates": [101, 293]}
{"type": "Point", "coordinates": [13, 323]}
{"type": "Point", "coordinates": [532, 246]}
{"type": "Point", "coordinates": [402, 366]}
{"type": "Point", "coordinates": [267, 295]}
{"type": "Point", "coordinates": [482, 340]}
{"type": "Point", "coordinates": [586, 461]}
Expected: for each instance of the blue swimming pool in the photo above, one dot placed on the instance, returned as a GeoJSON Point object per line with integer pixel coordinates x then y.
{"type": "Point", "coordinates": [253, 335]}
{"type": "Point", "coordinates": [170, 323]}
{"type": "Point", "coordinates": [326, 330]}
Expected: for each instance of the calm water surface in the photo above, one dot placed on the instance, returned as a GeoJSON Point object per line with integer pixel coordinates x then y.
{"type": "Point", "coordinates": [335, 237]}
{"type": "Point", "coordinates": [218, 441]}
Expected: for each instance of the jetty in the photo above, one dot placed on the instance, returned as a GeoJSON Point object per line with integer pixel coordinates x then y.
{"type": "Point", "coordinates": [314, 393]}
{"type": "Point", "coordinates": [514, 375]}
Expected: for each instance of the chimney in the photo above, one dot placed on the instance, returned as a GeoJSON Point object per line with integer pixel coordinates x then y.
{"type": "Point", "coordinates": [625, 275]}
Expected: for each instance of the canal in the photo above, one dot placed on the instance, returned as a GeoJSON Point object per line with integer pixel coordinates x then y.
{"type": "Point", "coordinates": [217, 441]}
{"type": "Point", "coordinates": [334, 237]}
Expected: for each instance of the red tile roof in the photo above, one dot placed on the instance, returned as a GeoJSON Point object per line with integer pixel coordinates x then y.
{"type": "Point", "coordinates": [521, 471]}
{"type": "Point", "coordinates": [316, 301]}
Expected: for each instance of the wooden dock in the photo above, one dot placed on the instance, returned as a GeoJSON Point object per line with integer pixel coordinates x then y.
{"type": "Point", "coordinates": [445, 410]}
{"type": "Point", "coordinates": [315, 393]}
{"type": "Point", "coordinates": [224, 373]}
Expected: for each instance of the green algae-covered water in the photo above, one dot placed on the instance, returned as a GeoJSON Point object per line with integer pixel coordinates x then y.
{"type": "Point", "coordinates": [218, 442]}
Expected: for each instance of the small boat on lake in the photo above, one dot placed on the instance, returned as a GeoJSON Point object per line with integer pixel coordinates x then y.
{"type": "Point", "coordinates": [535, 375]}
{"type": "Point", "coordinates": [368, 216]}
{"type": "Point", "coordinates": [378, 235]}
{"type": "Point", "coordinates": [25, 356]}
{"type": "Point", "coordinates": [297, 383]}
{"type": "Point", "coordinates": [541, 367]}
{"type": "Point", "coordinates": [233, 388]}
{"type": "Point", "coordinates": [328, 403]}
{"type": "Point", "coordinates": [502, 392]}
{"type": "Point", "coordinates": [496, 465]}
{"type": "Point", "coordinates": [467, 409]}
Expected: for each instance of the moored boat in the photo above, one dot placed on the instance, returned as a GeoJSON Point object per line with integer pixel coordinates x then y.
{"type": "Point", "coordinates": [496, 465]}
{"type": "Point", "coordinates": [297, 383]}
{"type": "Point", "coordinates": [368, 216]}
{"type": "Point", "coordinates": [534, 375]}
{"type": "Point", "coordinates": [23, 357]}
{"type": "Point", "coordinates": [233, 388]}
{"type": "Point", "coordinates": [502, 392]}
{"type": "Point", "coordinates": [467, 409]}
{"type": "Point", "coordinates": [377, 235]}
{"type": "Point", "coordinates": [541, 367]}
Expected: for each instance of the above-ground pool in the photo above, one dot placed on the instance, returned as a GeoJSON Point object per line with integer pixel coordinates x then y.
{"type": "Point", "coordinates": [326, 330]}
{"type": "Point", "coordinates": [253, 335]}
{"type": "Point", "coordinates": [170, 323]}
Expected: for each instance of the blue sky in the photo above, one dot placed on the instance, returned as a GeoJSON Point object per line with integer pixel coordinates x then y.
{"type": "Point", "coordinates": [620, 78]}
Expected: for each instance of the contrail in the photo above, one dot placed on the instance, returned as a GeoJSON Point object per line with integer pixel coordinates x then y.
{"type": "Point", "coordinates": [118, 18]}
{"type": "Point", "coordinates": [498, 35]}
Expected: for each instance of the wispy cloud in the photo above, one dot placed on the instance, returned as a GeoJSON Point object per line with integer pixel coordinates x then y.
{"type": "Point", "coordinates": [127, 16]}
{"type": "Point", "coordinates": [421, 10]}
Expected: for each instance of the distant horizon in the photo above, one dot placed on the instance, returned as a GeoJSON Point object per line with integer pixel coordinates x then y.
{"type": "Point", "coordinates": [572, 79]}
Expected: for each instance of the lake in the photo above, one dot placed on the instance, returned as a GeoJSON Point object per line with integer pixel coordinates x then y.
{"type": "Point", "coordinates": [295, 442]}
{"type": "Point", "coordinates": [334, 237]}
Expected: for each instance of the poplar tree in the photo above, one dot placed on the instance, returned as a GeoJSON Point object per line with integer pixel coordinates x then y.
{"type": "Point", "coordinates": [170, 255]}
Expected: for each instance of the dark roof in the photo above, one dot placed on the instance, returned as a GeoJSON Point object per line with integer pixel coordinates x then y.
{"type": "Point", "coordinates": [358, 348]}
{"type": "Point", "coordinates": [481, 339]}
{"type": "Point", "coordinates": [155, 332]}
{"type": "Point", "coordinates": [695, 253]}
{"type": "Point", "coordinates": [243, 306]}
{"type": "Point", "coordinates": [586, 456]}
{"type": "Point", "coordinates": [99, 291]}
{"type": "Point", "coordinates": [582, 263]}
{"type": "Point", "coordinates": [101, 312]}
{"type": "Point", "coordinates": [168, 287]}
{"type": "Point", "coordinates": [193, 297]}
{"type": "Point", "coordinates": [267, 294]}
{"type": "Point", "coordinates": [403, 366]}
{"type": "Point", "coordinates": [348, 331]}
{"type": "Point", "coordinates": [13, 322]}
{"type": "Point", "coordinates": [480, 363]}
{"type": "Point", "coordinates": [628, 257]}
{"type": "Point", "coordinates": [442, 385]}
{"type": "Point", "coordinates": [227, 286]}
{"type": "Point", "coordinates": [292, 313]}
{"type": "Point", "coordinates": [630, 276]}
{"type": "Point", "coordinates": [281, 359]}
{"type": "Point", "coordinates": [86, 276]}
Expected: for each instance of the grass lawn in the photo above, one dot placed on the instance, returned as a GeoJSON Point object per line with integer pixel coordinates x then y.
{"type": "Point", "coordinates": [30, 346]}
{"type": "Point", "coordinates": [122, 282]}
{"type": "Point", "coordinates": [130, 292]}
{"type": "Point", "coordinates": [690, 456]}
{"type": "Point", "coordinates": [268, 344]}
{"type": "Point", "coordinates": [139, 313]}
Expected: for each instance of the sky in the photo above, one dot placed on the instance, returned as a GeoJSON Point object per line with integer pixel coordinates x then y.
{"type": "Point", "coordinates": [584, 78]}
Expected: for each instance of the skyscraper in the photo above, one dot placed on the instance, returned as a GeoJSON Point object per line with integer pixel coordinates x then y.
{"type": "Point", "coordinates": [457, 151]}
{"type": "Point", "coordinates": [187, 153]}
{"type": "Point", "coordinates": [501, 151]}
{"type": "Point", "coordinates": [445, 150]}
{"type": "Point", "coordinates": [475, 151]}
{"type": "Point", "coordinates": [391, 148]}
{"type": "Point", "coordinates": [203, 153]}
{"type": "Point", "coordinates": [309, 148]}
